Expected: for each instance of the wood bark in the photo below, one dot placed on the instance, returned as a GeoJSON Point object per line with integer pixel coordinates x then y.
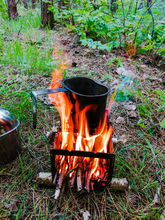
{"type": "Point", "coordinates": [47, 18]}
{"type": "Point", "coordinates": [113, 6]}
{"type": "Point", "coordinates": [62, 3]}
{"type": "Point", "coordinates": [12, 9]}
{"type": "Point", "coordinates": [25, 3]}
{"type": "Point", "coordinates": [33, 4]}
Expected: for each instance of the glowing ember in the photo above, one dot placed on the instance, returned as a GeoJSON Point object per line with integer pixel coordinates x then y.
{"type": "Point", "coordinates": [81, 140]}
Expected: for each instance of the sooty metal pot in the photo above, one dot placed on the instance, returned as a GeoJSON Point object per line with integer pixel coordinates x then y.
{"type": "Point", "coordinates": [83, 89]}
{"type": "Point", "coordinates": [10, 142]}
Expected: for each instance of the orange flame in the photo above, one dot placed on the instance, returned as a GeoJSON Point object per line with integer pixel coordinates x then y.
{"type": "Point", "coordinates": [82, 140]}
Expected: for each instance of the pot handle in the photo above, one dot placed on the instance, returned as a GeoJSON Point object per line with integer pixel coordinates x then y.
{"type": "Point", "coordinates": [34, 95]}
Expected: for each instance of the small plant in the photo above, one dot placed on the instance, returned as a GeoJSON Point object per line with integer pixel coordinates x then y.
{"type": "Point", "coordinates": [123, 95]}
{"type": "Point", "coordinates": [108, 77]}
{"type": "Point", "coordinates": [3, 9]}
{"type": "Point", "coordinates": [116, 60]}
{"type": "Point", "coordinates": [97, 26]}
{"type": "Point", "coordinates": [162, 123]}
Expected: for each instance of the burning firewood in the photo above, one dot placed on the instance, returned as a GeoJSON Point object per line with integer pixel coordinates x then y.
{"type": "Point", "coordinates": [60, 180]}
{"type": "Point", "coordinates": [79, 177]}
{"type": "Point", "coordinates": [87, 180]}
{"type": "Point", "coordinates": [117, 184]}
{"type": "Point", "coordinates": [73, 179]}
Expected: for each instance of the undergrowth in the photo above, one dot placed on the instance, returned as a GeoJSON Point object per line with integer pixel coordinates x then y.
{"type": "Point", "coordinates": [133, 25]}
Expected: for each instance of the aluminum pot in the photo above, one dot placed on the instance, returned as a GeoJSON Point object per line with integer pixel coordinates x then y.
{"type": "Point", "coordinates": [86, 91]}
{"type": "Point", "coordinates": [10, 142]}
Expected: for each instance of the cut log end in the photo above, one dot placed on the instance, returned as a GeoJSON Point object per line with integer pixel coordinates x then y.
{"type": "Point", "coordinates": [56, 194]}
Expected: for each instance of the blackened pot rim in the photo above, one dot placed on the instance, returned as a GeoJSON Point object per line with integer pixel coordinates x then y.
{"type": "Point", "coordinates": [87, 78]}
{"type": "Point", "coordinates": [18, 123]}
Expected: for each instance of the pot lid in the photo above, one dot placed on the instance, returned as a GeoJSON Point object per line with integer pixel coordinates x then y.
{"type": "Point", "coordinates": [7, 121]}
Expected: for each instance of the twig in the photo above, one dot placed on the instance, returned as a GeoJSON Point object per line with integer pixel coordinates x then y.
{"type": "Point", "coordinates": [123, 21]}
{"type": "Point", "coordinates": [142, 18]}
{"type": "Point", "coordinates": [157, 176]}
{"type": "Point", "coordinates": [130, 7]}
{"type": "Point", "coordinates": [5, 174]}
{"type": "Point", "coordinates": [70, 171]}
{"type": "Point", "coordinates": [62, 191]}
{"type": "Point", "coordinates": [33, 155]}
{"type": "Point", "coordinates": [150, 12]}
{"type": "Point", "coordinates": [73, 179]}
{"type": "Point", "coordinates": [115, 204]}
{"type": "Point", "coordinates": [79, 178]}
{"type": "Point", "coordinates": [55, 178]}
{"type": "Point", "coordinates": [19, 31]}
{"type": "Point", "coordinates": [136, 7]}
{"type": "Point", "coordinates": [73, 197]}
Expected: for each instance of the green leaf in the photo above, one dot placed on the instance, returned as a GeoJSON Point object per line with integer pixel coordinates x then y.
{"type": "Point", "coordinates": [162, 124]}
{"type": "Point", "coordinates": [140, 121]}
{"type": "Point", "coordinates": [153, 152]}
{"type": "Point", "coordinates": [142, 125]}
{"type": "Point", "coordinates": [158, 92]}
{"type": "Point", "coordinates": [161, 50]}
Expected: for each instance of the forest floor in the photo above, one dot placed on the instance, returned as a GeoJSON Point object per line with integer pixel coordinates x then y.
{"type": "Point", "coordinates": [136, 114]}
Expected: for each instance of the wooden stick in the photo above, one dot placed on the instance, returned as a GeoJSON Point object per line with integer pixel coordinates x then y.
{"type": "Point", "coordinates": [55, 178]}
{"type": "Point", "coordinates": [70, 171]}
{"type": "Point", "coordinates": [60, 180]}
{"type": "Point", "coordinates": [87, 180]}
{"type": "Point", "coordinates": [73, 179]}
{"type": "Point", "coordinates": [79, 178]}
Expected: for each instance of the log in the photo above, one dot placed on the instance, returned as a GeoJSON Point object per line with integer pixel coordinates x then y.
{"type": "Point", "coordinates": [117, 184]}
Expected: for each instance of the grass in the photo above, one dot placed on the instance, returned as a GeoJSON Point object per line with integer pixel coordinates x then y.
{"type": "Point", "coordinates": [25, 65]}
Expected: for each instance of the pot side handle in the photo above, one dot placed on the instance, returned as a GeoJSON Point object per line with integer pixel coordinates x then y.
{"type": "Point", "coordinates": [34, 95]}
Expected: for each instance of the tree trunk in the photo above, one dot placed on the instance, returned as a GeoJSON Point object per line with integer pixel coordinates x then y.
{"type": "Point", "coordinates": [113, 6]}
{"type": "Point", "coordinates": [149, 3]}
{"type": "Point", "coordinates": [12, 9]}
{"type": "Point", "coordinates": [47, 18]}
{"type": "Point", "coordinates": [33, 4]}
{"type": "Point", "coordinates": [61, 4]}
{"type": "Point", "coordinates": [25, 4]}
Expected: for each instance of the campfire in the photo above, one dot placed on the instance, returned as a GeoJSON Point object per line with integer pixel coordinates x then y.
{"type": "Point", "coordinates": [78, 133]}
{"type": "Point", "coordinates": [86, 169]}
{"type": "Point", "coordinates": [82, 150]}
